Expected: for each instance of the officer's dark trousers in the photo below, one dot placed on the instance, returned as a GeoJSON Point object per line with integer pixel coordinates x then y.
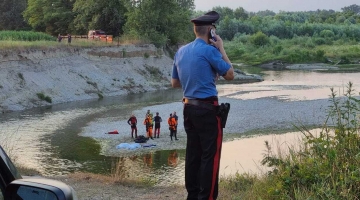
{"type": "Point", "coordinates": [203, 149]}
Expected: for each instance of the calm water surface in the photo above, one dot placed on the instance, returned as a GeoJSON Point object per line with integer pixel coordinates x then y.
{"type": "Point", "coordinates": [47, 138]}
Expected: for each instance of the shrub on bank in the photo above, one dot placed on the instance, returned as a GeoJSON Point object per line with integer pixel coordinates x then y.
{"type": "Point", "coordinates": [43, 97]}
{"type": "Point", "coordinates": [325, 167]}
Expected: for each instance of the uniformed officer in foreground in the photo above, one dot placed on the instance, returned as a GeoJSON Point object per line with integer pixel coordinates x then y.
{"type": "Point", "coordinates": [196, 68]}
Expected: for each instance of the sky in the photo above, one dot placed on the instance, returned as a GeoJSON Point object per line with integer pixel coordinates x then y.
{"type": "Point", "coordinates": [275, 5]}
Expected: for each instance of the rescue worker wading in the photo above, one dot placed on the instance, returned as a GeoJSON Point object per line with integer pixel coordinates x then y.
{"type": "Point", "coordinates": [132, 122]}
{"type": "Point", "coordinates": [196, 68]}
{"type": "Point", "coordinates": [172, 127]}
{"type": "Point", "coordinates": [149, 126]}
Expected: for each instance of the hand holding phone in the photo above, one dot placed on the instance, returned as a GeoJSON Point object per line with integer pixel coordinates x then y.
{"type": "Point", "coordinates": [212, 34]}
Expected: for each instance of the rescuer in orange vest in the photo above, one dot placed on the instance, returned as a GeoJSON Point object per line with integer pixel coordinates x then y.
{"type": "Point", "coordinates": [149, 126]}
{"type": "Point", "coordinates": [172, 126]}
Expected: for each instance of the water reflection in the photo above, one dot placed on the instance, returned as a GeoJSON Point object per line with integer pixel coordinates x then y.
{"type": "Point", "coordinates": [148, 159]}
{"type": "Point", "coordinates": [245, 155]}
{"type": "Point", "coordinates": [162, 167]}
{"type": "Point", "coordinates": [293, 85]}
{"type": "Point", "coordinates": [173, 158]}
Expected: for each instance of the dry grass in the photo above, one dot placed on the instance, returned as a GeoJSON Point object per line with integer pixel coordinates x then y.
{"type": "Point", "coordinates": [75, 42]}
{"type": "Point", "coordinates": [19, 45]}
{"type": "Point", "coordinates": [94, 187]}
{"type": "Point", "coordinates": [106, 179]}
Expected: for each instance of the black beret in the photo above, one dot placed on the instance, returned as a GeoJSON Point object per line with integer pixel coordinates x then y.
{"type": "Point", "coordinates": [207, 19]}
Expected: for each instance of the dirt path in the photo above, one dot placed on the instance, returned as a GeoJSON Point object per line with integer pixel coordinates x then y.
{"type": "Point", "coordinates": [95, 187]}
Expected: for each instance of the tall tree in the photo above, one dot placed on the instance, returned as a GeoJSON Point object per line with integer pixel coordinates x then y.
{"type": "Point", "coordinates": [240, 13]}
{"type": "Point", "coordinates": [224, 11]}
{"type": "Point", "coordinates": [160, 21]}
{"type": "Point", "coordinates": [34, 14]}
{"type": "Point", "coordinates": [11, 15]}
{"type": "Point", "coordinates": [107, 15]}
{"type": "Point", "coordinates": [352, 8]}
{"type": "Point", "coordinates": [50, 16]}
{"type": "Point", "coordinates": [228, 28]}
{"type": "Point", "coordinates": [186, 4]}
{"type": "Point", "coordinates": [265, 13]}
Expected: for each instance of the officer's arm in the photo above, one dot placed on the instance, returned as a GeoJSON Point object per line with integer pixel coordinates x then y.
{"type": "Point", "coordinates": [229, 75]}
{"type": "Point", "coordinates": [175, 83]}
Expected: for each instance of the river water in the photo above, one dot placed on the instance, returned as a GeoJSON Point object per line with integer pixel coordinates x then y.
{"type": "Point", "coordinates": [47, 138]}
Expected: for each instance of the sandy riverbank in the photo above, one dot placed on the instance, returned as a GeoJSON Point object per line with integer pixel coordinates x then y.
{"type": "Point", "coordinates": [244, 116]}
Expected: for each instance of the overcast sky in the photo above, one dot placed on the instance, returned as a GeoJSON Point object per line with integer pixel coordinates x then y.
{"type": "Point", "coordinates": [275, 5]}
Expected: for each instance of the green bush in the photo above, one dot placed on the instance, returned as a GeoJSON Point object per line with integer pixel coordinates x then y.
{"type": "Point", "coordinates": [319, 54]}
{"type": "Point", "coordinates": [260, 39]}
{"type": "Point", "coordinates": [242, 38]}
{"type": "Point", "coordinates": [235, 51]}
{"type": "Point", "coordinates": [298, 56]}
{"type": "Point", "coordinates": [44, 98]}
{"type": "Point", "coordinates": [40, 96]}
{"type": "Point", "coordinates": [345, 60]}
{"type": "Point", "coordinates": [48, 99]}
{"type": "Point", "coordinates": [274, 40]}
{"type": "Point", "coordinates": [25, 36]}
{"type": "Point", "coordinates": [309, 44]}
{"type": "Point", "coordinates": [327, 166]}
{"type": "Point", "coordinates": [146, 55]}
{"type": "Point", "coordinates": [157, 39]}
{"type": "Point", "coordinates": [319, 41]}
{"type": "Point", "coordinates": [327, 34]}
{"type": "Point", "coordinates": [277, 49]}
{"type": "Point", "coordinates": [21, 76]}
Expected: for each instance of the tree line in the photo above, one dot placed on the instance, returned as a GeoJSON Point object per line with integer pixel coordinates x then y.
{"type": "Point", "coordinates": [167, 21]}
{"type": "Point", "coordinates": [161, 21]}
{"type": "Point", "coordinates": [286, 25]}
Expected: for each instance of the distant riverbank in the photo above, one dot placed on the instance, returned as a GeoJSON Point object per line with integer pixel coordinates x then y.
{"type": "Point", "coordinates": [47, 76]}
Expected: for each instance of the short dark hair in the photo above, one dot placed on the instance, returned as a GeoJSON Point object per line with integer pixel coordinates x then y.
{"type": "Point", "coordinates": [201, 30]}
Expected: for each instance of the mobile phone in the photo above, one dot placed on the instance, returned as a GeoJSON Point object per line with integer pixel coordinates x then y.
{"type": "Point", "coordinates": [212, 34]}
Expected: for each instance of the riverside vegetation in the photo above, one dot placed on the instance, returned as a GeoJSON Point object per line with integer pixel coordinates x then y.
{"type": "Point", "coordinates": [324, 167]}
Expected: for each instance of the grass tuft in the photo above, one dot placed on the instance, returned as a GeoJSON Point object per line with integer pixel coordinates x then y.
{"type": "Point", "coordinates": [43, 97]}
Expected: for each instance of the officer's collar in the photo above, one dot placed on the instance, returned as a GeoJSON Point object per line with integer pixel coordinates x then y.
{"type": "Point", "coordinates": [200, 40]}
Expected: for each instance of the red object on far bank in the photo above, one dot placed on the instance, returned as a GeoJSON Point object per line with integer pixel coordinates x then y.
{"type": "Point", "coordinates": [113, 132]}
